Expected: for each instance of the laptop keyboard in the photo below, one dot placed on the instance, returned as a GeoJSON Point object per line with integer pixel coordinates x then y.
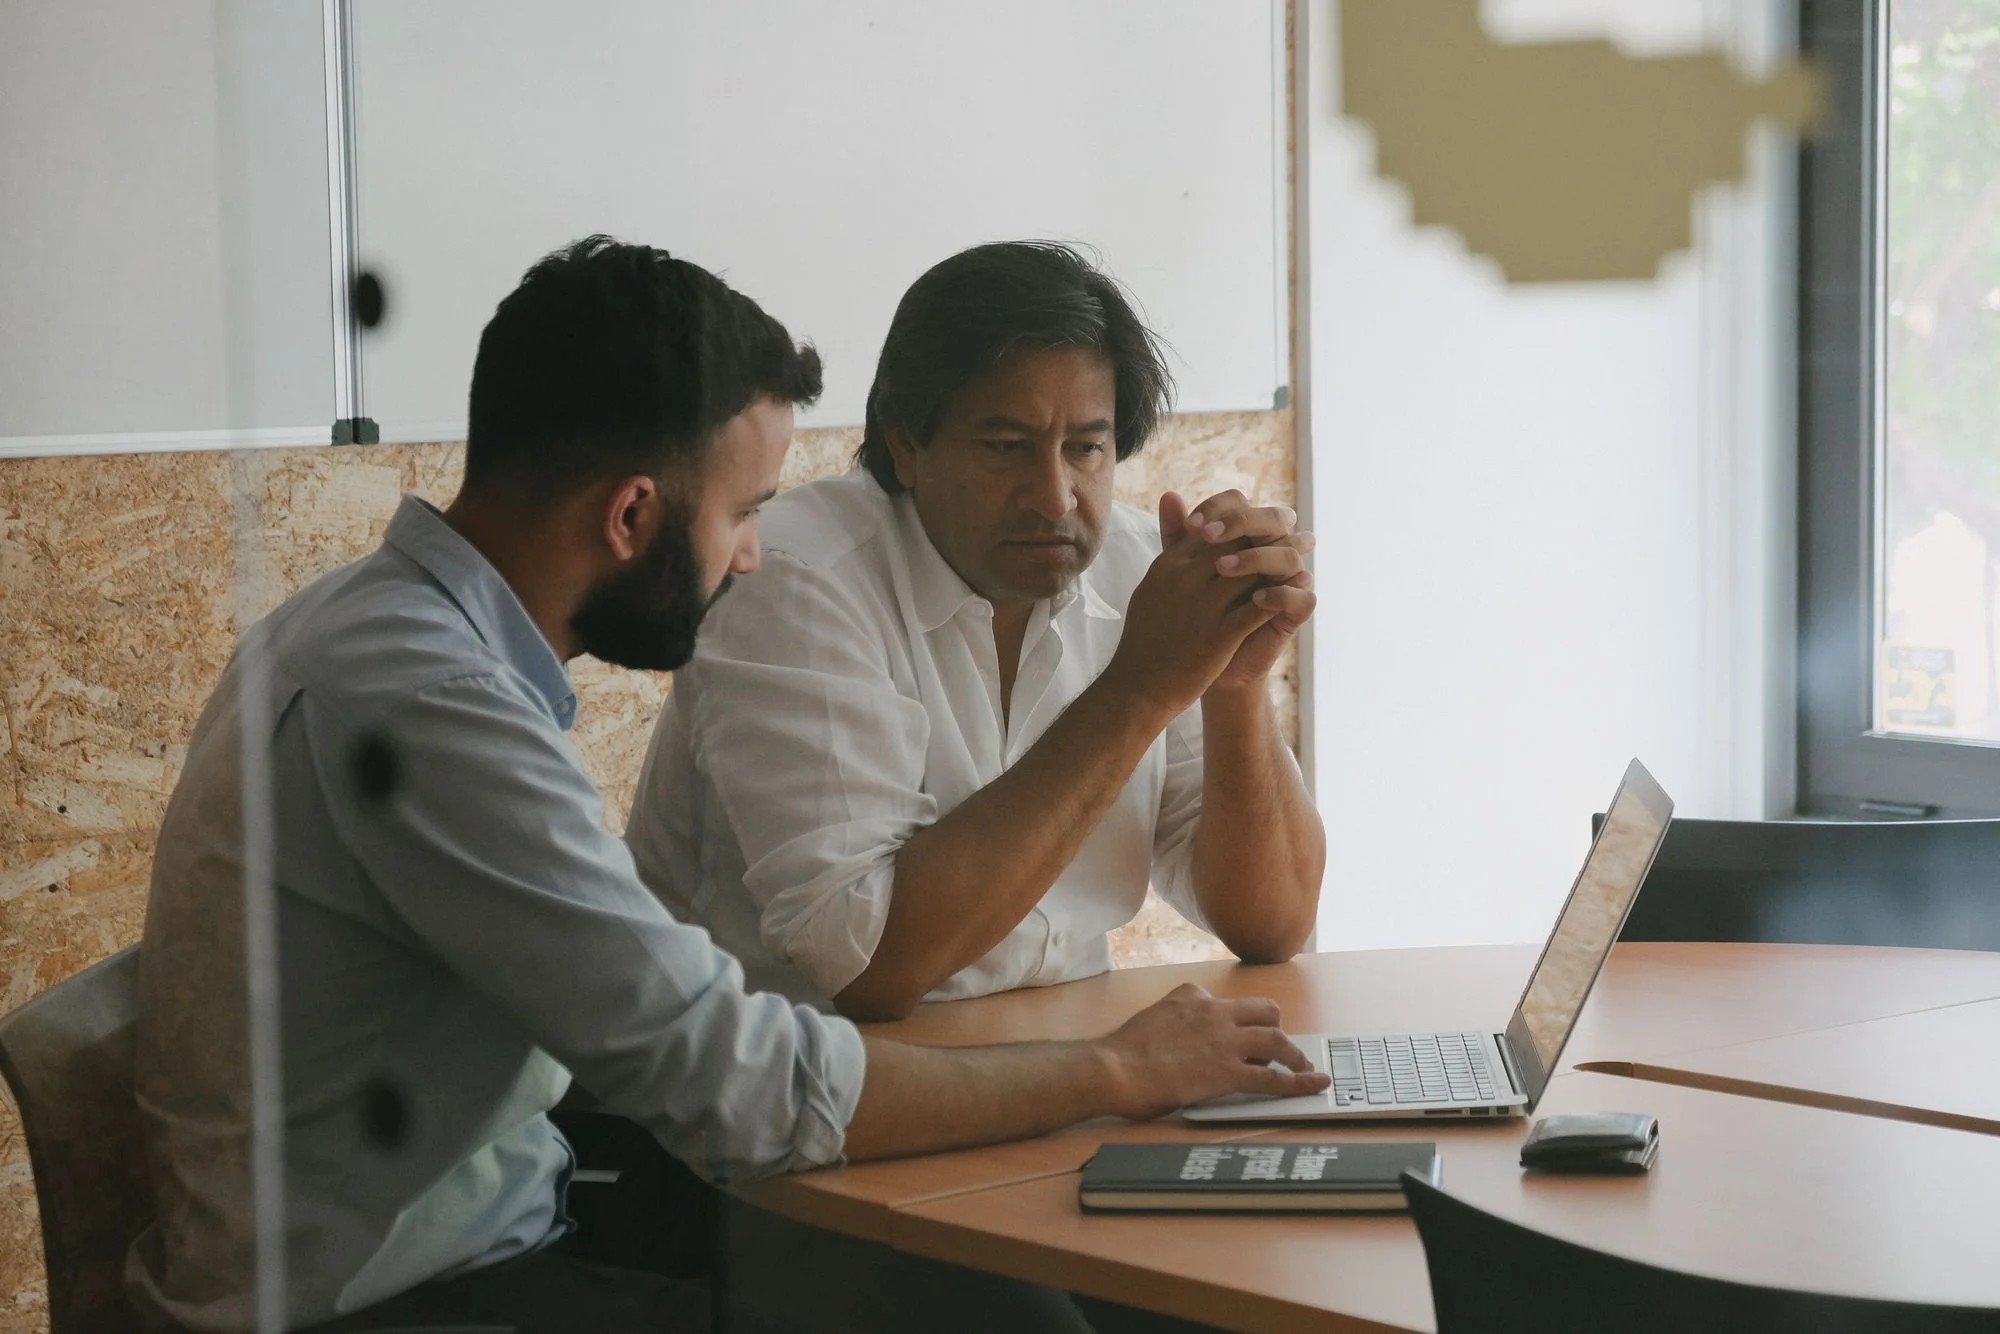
{"type": "Point", "coordinates": [1409, 1067]}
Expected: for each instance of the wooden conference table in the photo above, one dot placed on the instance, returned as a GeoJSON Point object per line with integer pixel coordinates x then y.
{"type": "Point", "coordinates": [1777, 1188]}
{"type": "Point", "coordinates": [1938, 1067]}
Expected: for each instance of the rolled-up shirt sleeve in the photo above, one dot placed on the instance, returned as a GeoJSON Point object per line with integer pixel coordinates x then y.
{"type": "Point", "coordinates": [489, 845]}
{"type": "Point", "coordinates": [816, 758]}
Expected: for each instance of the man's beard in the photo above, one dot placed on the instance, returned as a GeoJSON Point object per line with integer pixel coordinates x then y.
{"type": "Point", "coordinates": [646, 616]}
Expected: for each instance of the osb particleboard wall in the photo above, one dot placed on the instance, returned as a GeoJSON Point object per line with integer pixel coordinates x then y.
{"type": "Point", "coordinates": [119, 603]}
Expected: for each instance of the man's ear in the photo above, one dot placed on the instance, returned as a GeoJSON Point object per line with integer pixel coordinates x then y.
{"type": "Point", "coordinates": [631, 512]}
{"type": "Point", "coordinates": [903, 454]}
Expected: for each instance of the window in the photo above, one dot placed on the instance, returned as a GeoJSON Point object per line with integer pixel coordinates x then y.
{"type": "Point", "coordinates": [1900, 412]}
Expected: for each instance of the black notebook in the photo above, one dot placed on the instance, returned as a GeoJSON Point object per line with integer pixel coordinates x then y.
{"type": "Point", "coordinates": [1319, 1177]}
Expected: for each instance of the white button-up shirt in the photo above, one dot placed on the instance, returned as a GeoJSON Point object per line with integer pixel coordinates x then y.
{"type": "Point", "coordinates": [846, 696]}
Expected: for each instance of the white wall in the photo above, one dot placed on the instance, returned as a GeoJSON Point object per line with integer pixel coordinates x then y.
{"type": "Point", "coordinates": [1551, 530]}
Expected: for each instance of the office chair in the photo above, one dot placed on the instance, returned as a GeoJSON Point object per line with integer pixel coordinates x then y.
{"type": "Point", "coordinates": [1932, 883]}
{"type": "Point", "coordinates": [67, 1058]}
{"type": "Point", "coordinates": [1492, 1276]}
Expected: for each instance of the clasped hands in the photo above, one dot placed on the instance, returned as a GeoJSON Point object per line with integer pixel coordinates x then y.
{"type": "Point", "coordinates": [1228, 591]}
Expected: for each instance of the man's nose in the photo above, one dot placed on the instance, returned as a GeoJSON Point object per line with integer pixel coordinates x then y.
{"type": "Point", "coordinates": [749, 552]}
{"type": "Point", "coordinates": [1047, 490]}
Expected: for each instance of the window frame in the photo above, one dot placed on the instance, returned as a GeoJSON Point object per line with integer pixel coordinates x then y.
{"type": "Point", "coordinates": [1846, 766]}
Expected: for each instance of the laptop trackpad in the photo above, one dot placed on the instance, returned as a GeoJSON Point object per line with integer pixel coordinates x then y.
{"type": "Point", "coordinates": [1245, 1106]}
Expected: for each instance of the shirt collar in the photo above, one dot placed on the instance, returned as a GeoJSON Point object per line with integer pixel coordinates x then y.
{"type": "Point", "coordinates": [937, 593]}
{"type": "Point", "coordinates": [420, 533]}
{"type": "Point", "coordinates": [1093, 601]}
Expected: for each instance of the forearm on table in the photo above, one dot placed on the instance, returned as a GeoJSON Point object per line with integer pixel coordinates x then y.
{"type": "Point", "coordinates": [1260, 851]}
{"type": "Point", "coordinates": [962, 883]}
{"type": "Point", "coordinates": [928, 1099]}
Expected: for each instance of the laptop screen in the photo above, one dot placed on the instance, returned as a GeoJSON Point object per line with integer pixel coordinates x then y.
{"type": "Point", "coordinates": [1619, 858]}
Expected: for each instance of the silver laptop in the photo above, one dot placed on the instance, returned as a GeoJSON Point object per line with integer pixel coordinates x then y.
{"type": "Point", "coordinates": [1475, 1070]}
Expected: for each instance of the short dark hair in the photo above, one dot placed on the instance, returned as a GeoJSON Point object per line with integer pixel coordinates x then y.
{"type": "Point", "coordinates": [612, 359]}
{"type": "Point", "coordinates": [965, 314]}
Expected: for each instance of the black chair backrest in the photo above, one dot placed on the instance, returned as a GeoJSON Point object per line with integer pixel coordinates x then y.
{"type": "Point", "coordinates": [1932, 883]}
{"type": "Point", "coordinates": [1492, 1276]}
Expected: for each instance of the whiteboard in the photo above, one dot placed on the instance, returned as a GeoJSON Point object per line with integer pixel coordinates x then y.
{"type": "Point", "coordinates": [820, 156]}
{"type": "Point", "coordinates": [164, 251]}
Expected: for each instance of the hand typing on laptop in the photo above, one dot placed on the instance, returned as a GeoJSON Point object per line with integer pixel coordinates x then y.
{"type": "Point", "coordinates": [1189, 1046]}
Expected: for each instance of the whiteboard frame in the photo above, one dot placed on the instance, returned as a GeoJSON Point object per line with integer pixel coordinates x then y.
{"type": "Point", "coordinates": [337, 23]}
{"type": "Point", "coordinates": [1285, 113]}
{"type": "Point", "coordinates": [161, 442]}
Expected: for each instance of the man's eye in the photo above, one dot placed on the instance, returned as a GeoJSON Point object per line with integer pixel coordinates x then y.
{"type": "Point", "coordinates": [1087, 446]}
{"type": "Point", "coordinates": [1005, 446]}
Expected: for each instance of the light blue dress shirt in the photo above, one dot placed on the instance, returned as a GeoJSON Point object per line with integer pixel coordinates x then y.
{"type": "Point", "coordinates": [457, 932]}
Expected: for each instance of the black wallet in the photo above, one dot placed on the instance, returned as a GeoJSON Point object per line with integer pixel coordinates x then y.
{"type": "Point", "coordinates": [1592, 1142]}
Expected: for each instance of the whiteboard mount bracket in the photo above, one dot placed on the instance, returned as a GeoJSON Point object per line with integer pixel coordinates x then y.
{"type": "Point", "coordinates": [356, 431]}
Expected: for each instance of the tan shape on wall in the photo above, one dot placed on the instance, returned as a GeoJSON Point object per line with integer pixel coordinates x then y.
{"type": "Point", "coordinates": [1563, 161]}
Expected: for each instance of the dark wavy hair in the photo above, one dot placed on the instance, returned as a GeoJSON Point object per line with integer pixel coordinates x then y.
{"type": "Point", "coordinates": [611, 359]}
{"type": "Point", "coordinates": [965, 314]}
